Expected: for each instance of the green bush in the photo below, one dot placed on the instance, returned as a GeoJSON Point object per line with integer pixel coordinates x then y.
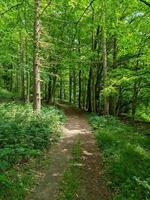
{"type": "Point", "coordinates": [143, 113]}
{"type": "Point", "coordinates": [5, 95]}
{"type": "Point", "coordinates": [23, 135]}
{"type": "Point", "coordinates": [126, 157]}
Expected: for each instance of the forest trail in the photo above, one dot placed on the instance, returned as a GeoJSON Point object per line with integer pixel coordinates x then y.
{"type": "Point", "coordinates": [92, 184]}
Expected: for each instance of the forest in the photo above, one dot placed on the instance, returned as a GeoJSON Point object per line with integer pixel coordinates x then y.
{"type": "Point", "coordinates": [63, 63]}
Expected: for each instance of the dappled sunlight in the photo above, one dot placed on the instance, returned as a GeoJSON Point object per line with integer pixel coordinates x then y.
{"type": "Point", "coordinates": [87, 153]}
{"type": "Point", "coordinates": [56, 174]}
{"type": "Point", "coordinates": [68, 133]}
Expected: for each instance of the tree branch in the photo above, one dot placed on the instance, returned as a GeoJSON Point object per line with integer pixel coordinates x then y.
{"type": "Point", "coordinates": [84, 12]}
{"type": "Point", "coordinates": [49, 3]}
{"type": "Point", "coordinates": [11, 8]}
{"type": "Point", "coordinates": [145, 2]}
{"type": "Point", "coordinates": [90, 4]}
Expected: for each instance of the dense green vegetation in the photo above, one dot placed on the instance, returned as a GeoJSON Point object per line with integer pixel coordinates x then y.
{"type": "Point", "coordinates": [126, 157]}
{"type": "Point", "coordinates": [24, 135]}
{"type": "Point", "coordinates": [91, 53]}
{"type": "Point", "coordinates": [94, 54]}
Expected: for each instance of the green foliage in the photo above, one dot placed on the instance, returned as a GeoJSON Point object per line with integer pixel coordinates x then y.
{"type": "Point", "coordinates": [64, 53]}
{"type": "Point", "coordinates": [143, 113]}
{"type": "Point", "coordinates": [126, 157]}
{"type": "Point", "coordinates": [5, 95]}
{"type": "Point", "coordinates": [23, 135]}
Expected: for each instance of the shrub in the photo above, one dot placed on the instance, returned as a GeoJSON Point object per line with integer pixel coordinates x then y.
{"type": "Point", "coordinates": [126, 157]}
{"type": "Point", "coordinates": [23, 135]}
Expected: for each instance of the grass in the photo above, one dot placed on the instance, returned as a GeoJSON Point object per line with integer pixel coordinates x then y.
{"type": "Point", "coordinates": [70, 182]}
{"type": "Point", "coordinates": [126, 158]}
{"type": "Point", "coordinates": [24, 136]}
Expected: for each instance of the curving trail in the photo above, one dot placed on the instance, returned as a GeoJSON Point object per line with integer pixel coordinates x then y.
{"type": "Point", "coordinates": [91, 176]}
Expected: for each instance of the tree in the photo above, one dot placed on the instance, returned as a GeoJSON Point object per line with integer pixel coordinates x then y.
{"type": "Point", "coordinates": [86, 53]}
{"type": "Point", "coordinates": [105, 66]}
{"type": "Point", "coordinates": [36, 59]}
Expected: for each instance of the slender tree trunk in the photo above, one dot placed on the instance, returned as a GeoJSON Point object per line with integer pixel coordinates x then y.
{"type": "Point", "coordinates": [98, 87]}
{"type": "Point", "coordinates": [11, 79]}
{"type": "Point", "coordinates": [89, 103]}
{"type": "Point", "coordinates": [80, 88]}
{"type": "Point", "coordinates": [28, 86]}
{"type": "Point", "coordinates": [136, 89]}
{"type": "Point", "coordinates": [113, 100]}
{"type": "Point", "coordinates": [27, 75]}
{"type": "Point", "coordinates": [61, 90]}
{"type": "Point", "coordinates": [105, 67]}
{"type": "Point", "coordinates": [54, 89]}
{"type": "Point", "coordinates": [17, 80]}
{"type": "Point", "coordinates": [70, 85]}
{"type": "Point", "coordinates": [22, 63]}
{"type": "Point", "coordinates": [23, 85]}
{"type": "Point", "coordinates": [64, 92]}
{"type": "Point", "coordinates": [74, 85]}
{"type": "Point", "coordinates": [49, 99]}
{"type": "Point", "coordinates": [36, 59]}
{"type": "Point", "coordinates": [80, 74]}
{"type": "Point", "coordinates": [134, 100]}
{"type": "Point", "coordinates": [84, 93]}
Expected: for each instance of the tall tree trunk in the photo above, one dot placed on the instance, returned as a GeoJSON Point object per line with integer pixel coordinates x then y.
{"type": "Point", "coordinates": [80, 88]}
{"type": "Point", "coordinates": [11, 79]}
{"type": "Point", "coordinates": [49, 98]}
{"type": "Point", "coordinates": [36, 59]}
{"type": "Point", "coordinates": [84, 93]}
{"type": "Point", "coordinates": [136, 89]}
{"type": "Point", "coordinates": [105, 67]}
{"type": "Point", "coordinates": [70, 85]}
{"type": "Point", "coordinates": [23, 85]}
{"type": "Point", "coordinates": [54, 89]}
{"type": "Point", "coordinates": [28, 86]}
{"type": "Point", "coordinates": [80, 74]}
{"type": "Point", "coordinates": [74, 85]}
{"type": "Point", "coordinates": [61, 90]}
{"type": "Point", "coordinates": [134, 100]}
{"type": "Point", "coordinates": [89, 102]}
{"type": "Point", "coordinates": [98, 87]}
{"type": "Point", "coordinates": [113, 99]}
{"type": "Point", "coordinates": [28, 73]}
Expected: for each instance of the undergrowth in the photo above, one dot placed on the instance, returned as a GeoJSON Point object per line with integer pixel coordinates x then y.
{"type": "Point", "coordinates": [24, 135]}
{"type": "Point", "coordinates": [126, 157]}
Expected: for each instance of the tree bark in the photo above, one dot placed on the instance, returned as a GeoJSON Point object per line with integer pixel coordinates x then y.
{"type": "Point", "coordinates": [89, 102]}
{"type": "Point", "coordinates": [134, 100]}
{"type": "Point", "coordinates": [70, 85]}
{"type": "Point", "coordinates": [49, 99]}
{"type": "Point", "coordinates": [61, 90]}
{"type": "Point", "coordinates": [113, 99]}
{"type": "Point", "coordinates": [80, 88]}
{"type": "Point", "coordinates": [36, 59]}
{"type": "Point", "coordinates": [105, 67]}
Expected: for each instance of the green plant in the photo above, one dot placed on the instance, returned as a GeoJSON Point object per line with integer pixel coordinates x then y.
{"type": "Point", "coordinates": [126, 157]}
{"type": "Point", "coordinates": [23, 135]}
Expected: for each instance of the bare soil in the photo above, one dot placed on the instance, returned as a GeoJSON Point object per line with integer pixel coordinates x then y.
{"type": "Point", "coordinates": [92, 184]}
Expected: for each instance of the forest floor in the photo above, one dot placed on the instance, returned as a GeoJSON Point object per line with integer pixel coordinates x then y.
{"type": "Point", "coordinates": [91, 175]}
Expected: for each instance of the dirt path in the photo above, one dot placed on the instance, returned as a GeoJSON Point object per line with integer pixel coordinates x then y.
{"type": "Point", "coordinates": [91, 177]}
